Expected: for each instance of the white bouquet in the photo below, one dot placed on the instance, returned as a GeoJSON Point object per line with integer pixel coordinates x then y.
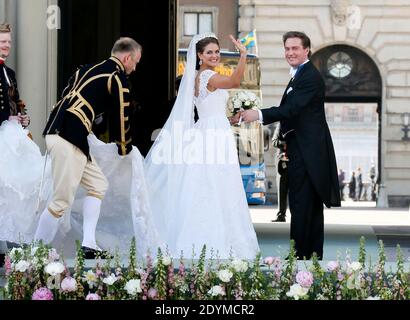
{"type": "Point", "coordinates": [244, 100]}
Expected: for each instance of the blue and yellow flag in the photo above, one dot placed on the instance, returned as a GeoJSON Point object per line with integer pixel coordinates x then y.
{"type": "Point", "coordinates": [249, 40]}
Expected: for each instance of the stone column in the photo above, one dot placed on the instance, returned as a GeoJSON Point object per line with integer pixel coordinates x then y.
{"type": "Point", "coordinates": [8, 14]}
{"type": "Point", "coordinates": [36, 62]}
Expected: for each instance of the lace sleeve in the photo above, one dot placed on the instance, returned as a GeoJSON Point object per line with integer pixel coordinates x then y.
{"type": "Point", "coordinates": [203, 83]}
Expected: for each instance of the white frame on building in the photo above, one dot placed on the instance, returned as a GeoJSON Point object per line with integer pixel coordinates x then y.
{"type": "Point", "coordinates": [214, 11]}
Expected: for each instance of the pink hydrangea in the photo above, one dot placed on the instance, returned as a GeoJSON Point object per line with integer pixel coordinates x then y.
{"type": "Point", "coordinates": [42, 294]}
{"type": "Point", "coordinates": [92, 296]}
{"type": "Point", "coordinates": [304, 278]}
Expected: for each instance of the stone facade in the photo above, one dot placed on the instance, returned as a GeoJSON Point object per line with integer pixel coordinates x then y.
{"type": "Point", "coordinates": [225, 17]}
{"type": "Point", "coordinates": [381, 29]}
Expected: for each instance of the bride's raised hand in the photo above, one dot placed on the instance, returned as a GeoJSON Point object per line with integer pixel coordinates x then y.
{"type": "Point", "coordinates": [241, 48]}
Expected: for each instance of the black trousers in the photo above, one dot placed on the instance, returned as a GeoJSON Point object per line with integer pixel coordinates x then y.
{"type": "Point", "coordinates": [283, 192]}
{"type": "Point", "coordinates": [306, 207]}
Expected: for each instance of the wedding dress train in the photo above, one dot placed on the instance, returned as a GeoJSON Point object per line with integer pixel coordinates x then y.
{"type": "Point", "coordinates": [125, 210]}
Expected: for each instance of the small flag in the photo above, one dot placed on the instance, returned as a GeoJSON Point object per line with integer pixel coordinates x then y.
{"type": "Point", "coordinates": [249, 40]}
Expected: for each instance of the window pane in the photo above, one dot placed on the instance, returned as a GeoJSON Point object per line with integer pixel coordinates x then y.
{"type": "Point", "coordinates": [205, 22]}
{"type": "Point", "coordinates": [190, 24]}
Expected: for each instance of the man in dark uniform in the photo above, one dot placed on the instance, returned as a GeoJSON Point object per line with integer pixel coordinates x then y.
{"type": "Point", "coordinates": [93, 92]}
{"type": "Point", "coordinates": [281, 175]}
{"type": "Point", "coordinates": [11, 106]}
{"type": "Point", "coordinates": [312, 167]}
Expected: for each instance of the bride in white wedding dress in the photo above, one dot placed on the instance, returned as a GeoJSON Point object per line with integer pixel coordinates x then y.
{"type": "Point", "coordinates": [125, 211]}
{"type": "Point", "coordinates": [193, 174]}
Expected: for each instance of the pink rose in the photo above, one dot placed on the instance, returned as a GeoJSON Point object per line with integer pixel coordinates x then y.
{"type": "Point", "coordinates": [152, 293]}
{"type": "Point", "coordinates": [269, 260]}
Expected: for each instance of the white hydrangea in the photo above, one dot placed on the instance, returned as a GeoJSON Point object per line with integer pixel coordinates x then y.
{"type": "Point", "coordinates": [353, 267]}
{"type": "Point", "coordinates": [133, 287]}
{"type": "Point", "coordinates": [225, 275]}
{"type": "Point", "coordinates": [216, 291]}
{"type": "Point", "coordinates": [296, 291]}
{"type": "Point", "coordinates": [239, 265]}
{"type": "Point", "coordinates": [22, 266]}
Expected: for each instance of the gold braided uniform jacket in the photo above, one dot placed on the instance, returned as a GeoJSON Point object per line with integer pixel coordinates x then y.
{"type": "Point", "coordinates": [94, 92]}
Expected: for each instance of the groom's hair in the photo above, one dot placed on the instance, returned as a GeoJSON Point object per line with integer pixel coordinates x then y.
{"type": "Point", "coordinates": [125, 45]}
{"type": "Point", "coordinates": [302, 36]}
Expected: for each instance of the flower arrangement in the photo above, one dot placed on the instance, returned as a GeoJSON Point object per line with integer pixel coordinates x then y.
{"type": "Point", "coordinates": [244, 100]}
{"type": "Point", "coordinates": [38, 272]}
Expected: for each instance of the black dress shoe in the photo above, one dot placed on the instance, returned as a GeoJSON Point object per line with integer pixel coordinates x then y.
{"type": "Point", "coordinates": [2, 259]}
{"type": "Point", "coordinates": [90, 253]}
{"type": "Point", "coordinates": [280, 218]}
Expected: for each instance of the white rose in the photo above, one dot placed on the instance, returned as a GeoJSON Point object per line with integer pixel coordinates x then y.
{"type": "Point", "coordinates": [247, 103]}
{"type": "Point", "coordinates": [22, 266]}
{"type": "Point", "coordinates": [166, 260]}
{"type": "Point", "coordinates": [296, 291]}
{"type": "Point", "coordinates": [54, 268]}
{"type": "Point", "coordinates": [225, 275]}
{"type": "Point", "coordinates": [69, 284]}
{"type": "Point", "coordinates": [133, 287]}
{"type": "Point", "coordinates": [216, 291]}
{"type": "Point", "coordinates": [239, 265]}
{"type": "Point", "coordinates": [110, 279]}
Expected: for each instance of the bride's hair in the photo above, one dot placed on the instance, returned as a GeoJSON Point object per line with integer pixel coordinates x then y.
{"type": "Point", "coordinates": [200, 47]}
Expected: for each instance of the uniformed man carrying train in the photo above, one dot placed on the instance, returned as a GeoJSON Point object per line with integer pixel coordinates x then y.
{"type": "Point", "coordinates": [93, 92]}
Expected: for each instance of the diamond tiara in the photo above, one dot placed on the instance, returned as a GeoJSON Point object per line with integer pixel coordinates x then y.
{"type": "Point", "coordinates": [201, 36]}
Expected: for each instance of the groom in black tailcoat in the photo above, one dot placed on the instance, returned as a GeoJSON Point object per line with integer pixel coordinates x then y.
{"type": "Point", "coordinates": [312, 170]}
